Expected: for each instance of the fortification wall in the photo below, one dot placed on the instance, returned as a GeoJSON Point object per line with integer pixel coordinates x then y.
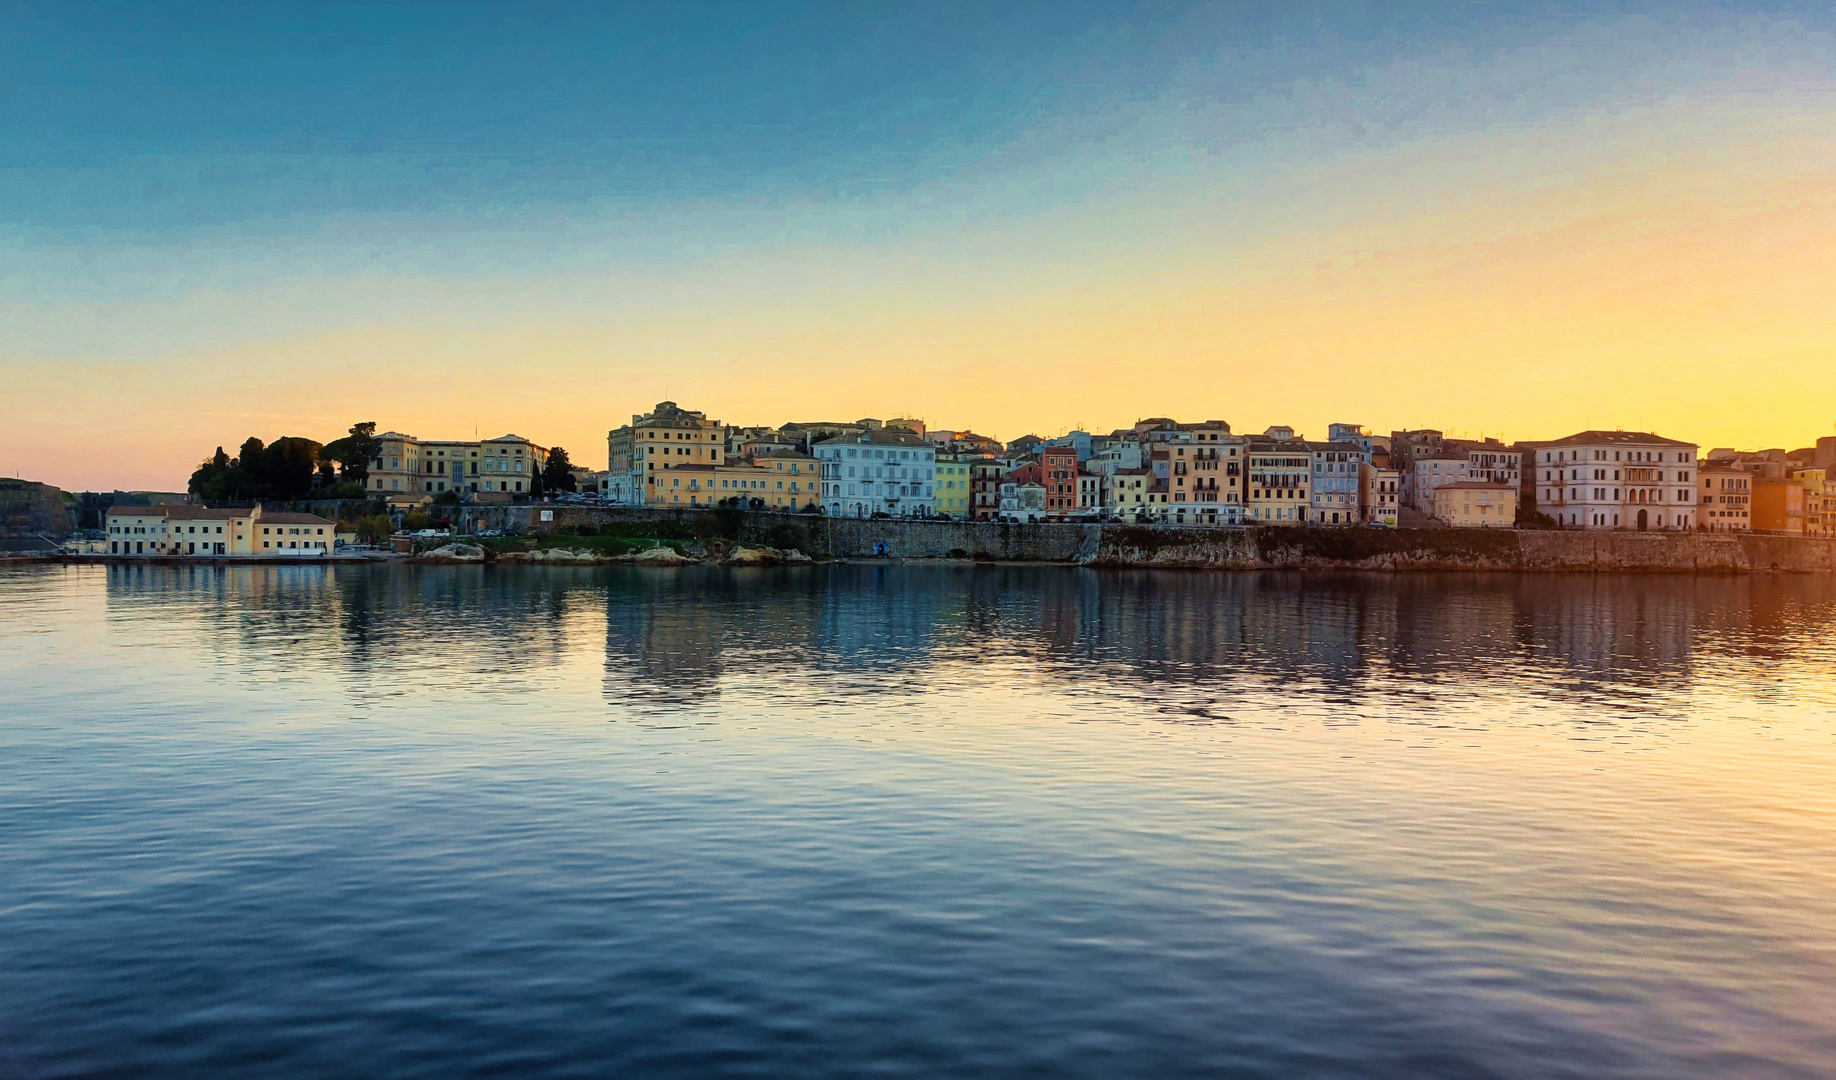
{"type": "Point", "coordinates": [1247, 549]}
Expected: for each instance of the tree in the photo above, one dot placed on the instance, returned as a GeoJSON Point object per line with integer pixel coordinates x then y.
{"type": "Point", "coordinates": [374, 528]}
{"type": "Point", "coordinates": [326, 476]}
{"type": "Point", "coordinates": [558, 473]}
{"type": "Point", "coordinates": [288, 465]}
{"type": "Point", "coordinates": [357, 451]}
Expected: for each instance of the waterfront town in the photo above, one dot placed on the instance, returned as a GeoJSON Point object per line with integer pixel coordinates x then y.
{"type": "Point", "coordinates": [1156, 471]}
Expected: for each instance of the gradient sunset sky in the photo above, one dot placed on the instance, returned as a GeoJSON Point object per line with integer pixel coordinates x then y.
{"type": "Point", "coordinates": [1520, 220]}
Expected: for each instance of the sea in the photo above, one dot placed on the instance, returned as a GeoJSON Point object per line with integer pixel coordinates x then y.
{"type": "Point", "coordinates": [940, 821]}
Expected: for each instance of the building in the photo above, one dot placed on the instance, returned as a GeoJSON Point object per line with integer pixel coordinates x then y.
{"type": "Point", "coordinates": [1617, 480]}
{"type": "Point", "coordinates": [1089, 493]}
{"type": "Point", "coordinates": [1337, 482]}
{"type": "Point", "coordinates": [1380, 492]}
{"type": "Point", "coordinates": [663, 438]}
{"type": "Point", "coordinates": [878, 472]}
{"type": "Point", "coordinates": [188, 529]}
{"type": "Point", "coordinates": [1778, 505]}
{"type": "Point", "coordinates": [1023, 499]}
{"type": "Point", "coordinates": [1819, 500]}
{"type": "Point", "coordinates": [952, 483]}
{"type": "Point", "coordinates": [783, 480]}
{"type": "Point", "coordinates": [506, 464]}
{"type": "Point", "coordinates": [1279, 479]}
{"type": "Point", "coordinates": [1476, 504]}
{"type": "Point", "coordinates": [986, 476]}
{"type": "Point", "coordinates": [1058, 469]}
{"type": "Point", "coordinates": [1125, 494]}
{"type": "Point", "coordinates": [1724, 503]}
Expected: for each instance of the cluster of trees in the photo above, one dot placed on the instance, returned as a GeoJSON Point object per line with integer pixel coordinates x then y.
{"type": "Point", "coordinates": [290, 467]}
{"type": "Point", "coordinates": [297, 468]}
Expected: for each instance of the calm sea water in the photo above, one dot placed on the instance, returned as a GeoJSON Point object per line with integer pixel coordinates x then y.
{"type": "Point", "coordinates": [903, 821]}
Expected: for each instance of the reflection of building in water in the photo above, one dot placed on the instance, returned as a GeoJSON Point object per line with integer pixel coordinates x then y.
{"type": "Point", "coordinates": [416, 623]}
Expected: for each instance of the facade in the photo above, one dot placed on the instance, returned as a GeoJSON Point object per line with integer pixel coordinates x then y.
{"type": "Point", "coordinates": [186, 529]}
{"type": "Point", "coordinates": [1280, 481]}
{"type": "Point", "coordinates": [667, 436]}
{"type": "Point", "coordinates": [1337, 482]}
{"type": "Point", "coordinates": [1476, 504]}
{"type": "Point", "coordinates": [1778, 505]}
{"type": "Point", "coordinates": [1430, 471]}
{"type": "Point", "coordinates": [782, 480]}
{"type": "Point", "coordinates": [1379, 493]}
{"type": "Point", "coordinates": [985, 478]}
{"type": "Point", "coordinates": [1023, 499]}
{"type": "Point", "coordinates": [1125, 493]}
{"type": "Point", "coordinates": [878, 472]}
{"type": "Point", "coordinates": [507, 464]}
{"type": "Point", "coordinates": [1726, 498]}
{"type": "Point", "coordinates": [1819, 501]}
{"type": "Point", "coordinates": [952, 484]}
{"type": "Point", "coordinates": [1617, 480]}
{"type": "Point", "coordinates": [1089, 493]}
{"type": "Point", "coordinates": [1058, 464]}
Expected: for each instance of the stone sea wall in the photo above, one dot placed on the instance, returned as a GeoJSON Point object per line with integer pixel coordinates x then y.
{"type": "Point", "coordinates": [1241, 549]}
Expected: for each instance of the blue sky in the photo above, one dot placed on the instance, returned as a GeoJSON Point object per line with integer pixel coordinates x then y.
{"type": "Point", "coordinates": [682, 198]}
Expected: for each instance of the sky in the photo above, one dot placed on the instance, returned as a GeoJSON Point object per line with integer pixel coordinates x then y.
{"type": "Point", "coordinates": [1504, 219]}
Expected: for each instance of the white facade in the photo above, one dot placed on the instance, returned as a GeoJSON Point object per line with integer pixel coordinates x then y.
{"type": "Point", "coordinates": [1617, 480]}
{"type": "Point", "coordinates": [1337, 482]}
{"type": "Point", "coordinates": [885, 472]}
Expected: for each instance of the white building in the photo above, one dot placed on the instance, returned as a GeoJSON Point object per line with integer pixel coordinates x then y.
{"type": "Point", "coordinates": [884, 472]}
{"type": "Point", "coordinates": [1617, 480]}
{"type": "Point", "coordinates": [1337, 482]}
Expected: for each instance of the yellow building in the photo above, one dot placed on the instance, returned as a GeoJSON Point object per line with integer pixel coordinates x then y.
{"type": "Point", "coordinates": [666, 437]}
{"type": "Point", "coordinates": [1476, 504]}
{"type": "Point", "coordinates": [793, 480]}
{"type": "Point", "coordinates": [1819, 501]}
{"type": "Point", "coordinates": [1778, 505]}
{"type": "Point", "coordinates": [1125, 493]}
{"type": "Point", "coordinates": [185, 529]}
{"type": "Point", "coordinates": [1724, 503]}
{"type": "Point", "coordinates": [507, 465]}
{"type": "Point", "coordinates": [1280, 480]}
{"type": "Point", "coordinates": [952, 484]}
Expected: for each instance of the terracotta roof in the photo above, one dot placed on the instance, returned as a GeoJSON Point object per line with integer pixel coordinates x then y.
{"type": "Point", "coordinates": [294, 519]}
{"type": "Point", "coordinates": [1639, 438]}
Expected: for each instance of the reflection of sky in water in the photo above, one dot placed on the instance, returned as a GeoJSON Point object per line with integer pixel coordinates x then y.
{"type": "Point", "coordinates": [922, 820]}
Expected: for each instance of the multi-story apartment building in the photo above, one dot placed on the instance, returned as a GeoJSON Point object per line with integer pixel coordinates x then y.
{"type": "Point", "coordinates": [1279, 480]}
{"type": "Point", "coordinates": [1125, 493]}
{"type": "Point", "coordinates": [784, 480]}
{"type": "Point", "coordinates": [952, 483]}
{"type": "Point", "coordinates": [1337, 482]}
{"type": "Point", "coordinates": [1778, 505]}
{"type": "Point", "coordinates": [507, 464]}
{"type": "Point", "coordinates": [1379, 492]}
{"type": "Point", "coordinates": [1089, 493]}
{"type": "Point", "coordinates": [667, 436]}
{"type": "Point", "coordinates": [1427, 472]}
{"type": "Point", "coordinates": [189, 529]}
{"type": "Point", "coordinates": [985, 478]}
{"type": "Point", "coordinates": [1059, 466]}
{"type": "Point", "coordinates": [1022, 499]}
{"type": "Point", "coordinates": [1120, 451]}
{"type": "Point", "coordinates": [1617, 480]}
{"type": "Point", "coordinates": [1476, 504]}
{"type": "Point", "coordinates": [1725, 501]}
{"type": "Point", "coordinates": [1819, 501]}
{"type": "Point", "coordinates": [878, 472]}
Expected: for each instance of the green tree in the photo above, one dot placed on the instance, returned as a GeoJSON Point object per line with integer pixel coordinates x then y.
{"type": "Point", "coordinates": [374, 529]}
{"type": "Point", "coordinates": [558, 474]}
{"type": "Point", "coordinates": [288, 465]}
{"type": "Point", "coordinates": [356, 451]}
{"type": "Point", "coordinates": [415, 521]}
